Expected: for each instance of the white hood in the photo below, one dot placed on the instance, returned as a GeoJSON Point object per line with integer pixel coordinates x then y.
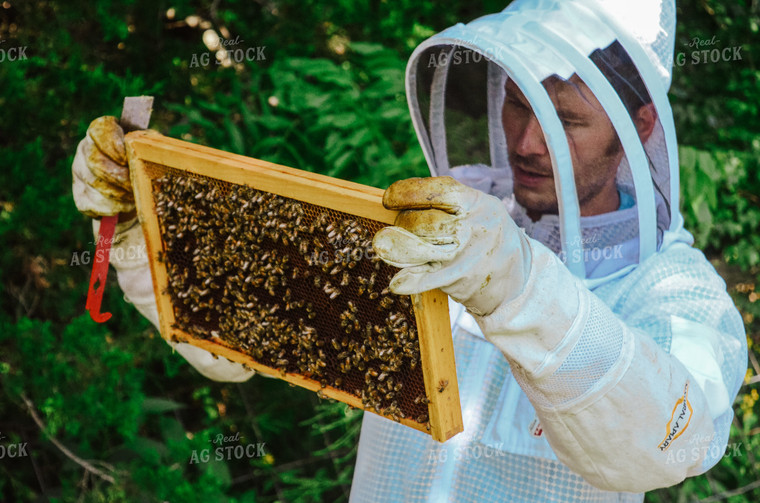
{"type": "Point", "coordinates": [456, 87]}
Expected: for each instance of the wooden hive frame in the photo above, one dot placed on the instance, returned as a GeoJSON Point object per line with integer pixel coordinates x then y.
{"type": "Point", "coordinates": [430, 308]}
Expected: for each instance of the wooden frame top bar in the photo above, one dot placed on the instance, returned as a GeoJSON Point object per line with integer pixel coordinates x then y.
{"type": "Point", "coordinates": [274, 178]}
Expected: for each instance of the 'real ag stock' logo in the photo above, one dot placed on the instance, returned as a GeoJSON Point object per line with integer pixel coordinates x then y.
{"type": "Point", "coordinates": [679, 420]}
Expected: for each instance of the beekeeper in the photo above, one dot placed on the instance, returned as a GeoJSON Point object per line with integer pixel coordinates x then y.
{"type": "Point", "coordinates": [597, 352]}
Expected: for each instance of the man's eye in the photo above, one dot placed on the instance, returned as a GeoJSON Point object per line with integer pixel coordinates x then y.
{"type": "Point", "coordinates": [570, 122]}
{"type": "Point", "coordinates": [516, 104]}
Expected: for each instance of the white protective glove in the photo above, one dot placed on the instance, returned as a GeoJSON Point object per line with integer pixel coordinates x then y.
{"type": "Point", "coordinates": [101, 182]}
{"type": "Point", "coordinates": [102, 187]}
{"type": "Point", "coordinates": [455, 238]}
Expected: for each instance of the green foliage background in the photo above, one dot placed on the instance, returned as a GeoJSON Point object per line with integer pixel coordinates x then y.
{"type": "Point", "coordinates": [329, 97]}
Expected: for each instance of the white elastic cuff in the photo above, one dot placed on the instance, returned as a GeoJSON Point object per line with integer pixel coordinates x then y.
{"type": "Point", "coordinates": [592, 362]}
{"type": "Point", "coordinates": [214, 368]}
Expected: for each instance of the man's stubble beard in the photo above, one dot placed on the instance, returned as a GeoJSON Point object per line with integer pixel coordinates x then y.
{"type": "Point", "coordinates": [586, 191]}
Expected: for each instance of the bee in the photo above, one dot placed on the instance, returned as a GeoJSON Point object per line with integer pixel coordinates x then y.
{"type": "Point", "coordinates": [404, 301]}
{"type": "Point", "coordinates": [345, 365]}
{"type": "Point", "coordinates": [363, 285]}
{"type": "Point", "coordinates": [303, 247]}
{"type": "Point", "coordinates": [289, 306]}
{"type": "Point", "coordinates": [442, 385]}
{"type": "Point", "coordinates": [331, 290]}
{"type": "Point", "coordinates": [385, 303]}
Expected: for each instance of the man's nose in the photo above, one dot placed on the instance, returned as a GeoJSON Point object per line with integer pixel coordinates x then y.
{"type": "Point", "coordinates": [531, 140]}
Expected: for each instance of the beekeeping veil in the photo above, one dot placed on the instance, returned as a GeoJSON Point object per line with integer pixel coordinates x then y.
{"type": "Point", "coordinates": [617, 55]}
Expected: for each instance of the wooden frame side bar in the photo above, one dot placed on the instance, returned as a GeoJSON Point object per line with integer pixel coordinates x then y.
{"type": "Point", "coordinates": [146, 213]}
{"type": "Point", "coordinates": [437, 354]}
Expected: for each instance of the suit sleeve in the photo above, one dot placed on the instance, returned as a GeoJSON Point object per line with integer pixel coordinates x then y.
{"type": "Point", "coordinates": [635, 399]}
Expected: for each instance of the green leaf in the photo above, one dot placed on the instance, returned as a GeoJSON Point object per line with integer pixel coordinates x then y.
{"type": "Point", "coordinates": [366, 48]}
{"type": "Point", "coordinates": [219, 470]}
{"type": "Point", "coordinates": [160, 405]}
{"type": "Point", "coordinates": [235, 136]}
{"type": "Point", "coordinates": [707, 165]}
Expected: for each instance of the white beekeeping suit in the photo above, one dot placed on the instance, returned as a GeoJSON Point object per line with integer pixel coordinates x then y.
{"type": "Point", "coordinates": [608, 362]}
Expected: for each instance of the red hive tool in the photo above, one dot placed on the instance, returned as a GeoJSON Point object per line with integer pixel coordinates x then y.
{"type": "Point", "coordinates": [135, 114]}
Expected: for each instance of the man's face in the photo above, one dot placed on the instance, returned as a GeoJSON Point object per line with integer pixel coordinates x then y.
{"type": "Point", "coordinates": [594, 149]}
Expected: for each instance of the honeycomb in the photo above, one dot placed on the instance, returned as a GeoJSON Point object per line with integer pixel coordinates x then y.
{"type": "Point", "coordinates": [293, 285]}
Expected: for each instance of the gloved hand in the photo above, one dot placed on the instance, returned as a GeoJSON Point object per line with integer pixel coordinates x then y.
{"type": "Point", "coordinates": [101, 183]}
{"type": "Point", "coordinates": [455, 238]}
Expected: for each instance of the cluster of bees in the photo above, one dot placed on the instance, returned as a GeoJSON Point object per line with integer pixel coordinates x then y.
{"type": "Point", "coordinates": [293, 285]}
